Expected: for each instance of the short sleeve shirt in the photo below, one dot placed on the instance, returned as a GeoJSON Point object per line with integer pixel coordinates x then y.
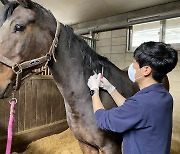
{"type": "Point", "coordinates": [145, 119]}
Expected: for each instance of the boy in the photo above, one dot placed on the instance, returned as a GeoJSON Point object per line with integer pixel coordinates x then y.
{"type": "Point", "coordinates": [145, 119]}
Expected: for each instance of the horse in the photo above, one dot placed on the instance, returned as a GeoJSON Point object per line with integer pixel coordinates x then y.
{"type": "Point", "coordinates": [30, 38]}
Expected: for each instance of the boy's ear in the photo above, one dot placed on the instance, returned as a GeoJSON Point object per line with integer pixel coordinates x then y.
{"type": "Point", "coordinates": [147, 70]}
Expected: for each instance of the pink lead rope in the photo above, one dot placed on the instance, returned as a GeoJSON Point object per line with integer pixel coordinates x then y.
{"type": "Point", "coordinates": [13, 101]}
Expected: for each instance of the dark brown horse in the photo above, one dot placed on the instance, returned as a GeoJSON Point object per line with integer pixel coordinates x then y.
{"type": "Point", "coordinates": [27, 31]}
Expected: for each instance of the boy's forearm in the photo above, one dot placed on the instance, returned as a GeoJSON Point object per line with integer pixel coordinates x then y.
{"type": "Point", "coordinates": [117, 97]}
{"type": "Point", "coordinates": [97, 104]}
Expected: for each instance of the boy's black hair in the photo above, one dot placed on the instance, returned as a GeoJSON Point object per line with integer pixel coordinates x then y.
{"type": "Point", "coordinates": [161, 57]}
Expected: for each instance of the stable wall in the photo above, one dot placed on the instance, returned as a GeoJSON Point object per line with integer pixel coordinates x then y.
{"type": "Point", "coordinates": [40, 112]}
{"type": "Point", "coordinates": [113, 44]}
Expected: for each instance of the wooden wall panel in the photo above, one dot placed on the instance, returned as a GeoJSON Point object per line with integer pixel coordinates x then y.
{"type": "Point", "coordinates": [40, 105]}
{"type": "Point", "coordinates": [31, 98]}
{"type": "Point", "coordinates": [21, 109]}
{"type": "Point", "coordinates": [49, 105]}
{"type": "Point", "coordinates": [4, 115]}
{"type": "Point", "coordinates": [41, 102]}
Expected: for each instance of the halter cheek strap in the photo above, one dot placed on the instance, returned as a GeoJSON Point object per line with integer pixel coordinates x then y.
{"type": "Point", "coordinates": [18, 68]}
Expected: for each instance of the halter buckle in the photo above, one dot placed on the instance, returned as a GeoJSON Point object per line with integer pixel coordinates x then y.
{"type": "Point", "coordinates": [17, 69]}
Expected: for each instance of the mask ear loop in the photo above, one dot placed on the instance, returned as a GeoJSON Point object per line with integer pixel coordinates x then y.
{"type": "Point", "coordinates": [139, 76]}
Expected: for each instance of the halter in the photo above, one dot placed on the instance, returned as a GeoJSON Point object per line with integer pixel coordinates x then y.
{"type": "Point", "coordinates": [18, 68]}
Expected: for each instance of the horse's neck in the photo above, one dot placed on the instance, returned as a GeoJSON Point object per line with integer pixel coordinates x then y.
{"type": "Point", "coordinates": [68, 70]}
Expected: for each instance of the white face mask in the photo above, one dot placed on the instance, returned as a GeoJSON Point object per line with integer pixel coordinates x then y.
{"type": "Point", "coordinates": [131, 73]}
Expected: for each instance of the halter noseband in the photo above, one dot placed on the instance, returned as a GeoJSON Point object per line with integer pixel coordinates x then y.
{"type": "Point", "coordinates": [18, 68]}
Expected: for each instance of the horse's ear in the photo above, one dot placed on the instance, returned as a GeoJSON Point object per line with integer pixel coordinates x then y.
{"type": "Point", "coordinates": [4, 2]}
{"type": "Point", "coordinates": [25, 3]}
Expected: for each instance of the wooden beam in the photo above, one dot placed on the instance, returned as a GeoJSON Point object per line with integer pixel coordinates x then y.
{"type": "Point", "coordinates": [22, 139]}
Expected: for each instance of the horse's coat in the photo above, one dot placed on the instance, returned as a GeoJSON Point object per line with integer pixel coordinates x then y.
{"type": "Point", "coordinates": [75, 63]}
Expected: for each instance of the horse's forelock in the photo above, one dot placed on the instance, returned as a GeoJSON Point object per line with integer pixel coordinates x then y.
{"type": "Point", "coordinates": [8, 10]}
{"type": "Point", "coordinates": [11, 6]}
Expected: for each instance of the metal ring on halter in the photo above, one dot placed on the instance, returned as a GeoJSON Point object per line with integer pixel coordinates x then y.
{"type": "Point", "coordinates": [13, 99]}
{"type": "Point", "coordinates": [18, 67]}
{"type": "Point", "coordinates": [48, 56]}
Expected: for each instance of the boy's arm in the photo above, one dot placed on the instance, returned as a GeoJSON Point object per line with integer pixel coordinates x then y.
{"type": "Point", "coordinates": [117, 97]}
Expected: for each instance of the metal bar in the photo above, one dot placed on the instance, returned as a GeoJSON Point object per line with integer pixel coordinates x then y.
{"type": "Point", "coordinates": [127, 24]}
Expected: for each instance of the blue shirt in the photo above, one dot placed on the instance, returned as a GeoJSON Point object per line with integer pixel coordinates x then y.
{"type": "Point", "coordinates": [145, 119]}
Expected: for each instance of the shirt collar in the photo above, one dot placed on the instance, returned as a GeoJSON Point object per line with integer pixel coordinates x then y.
{"type": "Point", "coordinates": [153, 87]}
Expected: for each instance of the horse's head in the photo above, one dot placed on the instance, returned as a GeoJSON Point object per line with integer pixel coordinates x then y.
{"type": "Point", "coordinates": [26, 32]}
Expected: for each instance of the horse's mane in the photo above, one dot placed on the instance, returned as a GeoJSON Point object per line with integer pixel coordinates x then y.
{"type": "Point", "coordinates": [91, 59]}
{"type": "Point", "coordinates": [42, 11]}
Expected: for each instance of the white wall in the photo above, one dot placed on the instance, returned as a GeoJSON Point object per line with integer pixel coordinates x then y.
{"type": "Point", "coordinates": [112, 44]}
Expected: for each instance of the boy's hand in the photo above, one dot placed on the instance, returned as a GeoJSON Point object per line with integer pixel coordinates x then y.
{"type": "Point", "coordinates": [94, 81]}
{"type": "Point", "coordinates": [106, 85]}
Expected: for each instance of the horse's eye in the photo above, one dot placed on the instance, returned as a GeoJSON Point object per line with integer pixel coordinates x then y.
{"type": "Point", "coordinates": [19, 28]}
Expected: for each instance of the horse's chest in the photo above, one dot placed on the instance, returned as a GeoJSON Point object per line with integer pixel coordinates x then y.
{"type": "Point", "coordinates": [79, 120]}
{"type": "Point", "coordinates": [82, 124]}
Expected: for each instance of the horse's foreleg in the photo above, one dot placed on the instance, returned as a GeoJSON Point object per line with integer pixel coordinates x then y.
{"type": "Point", "coordinates": [88, 149]}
